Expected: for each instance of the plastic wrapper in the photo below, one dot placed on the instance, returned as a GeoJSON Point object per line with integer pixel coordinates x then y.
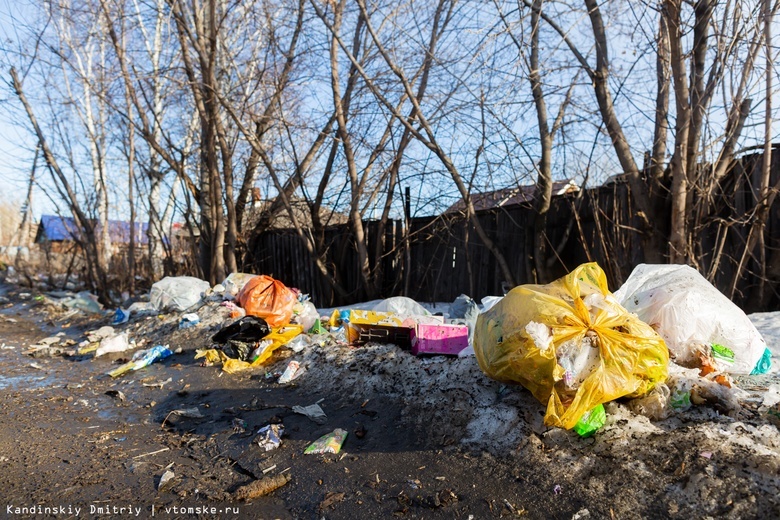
{"type": "Point", "coordinates": [189, 320]}
{"type": "Point", "coordinates": [691, 315]}
{"type": "Point", "coordinates": [314, 412]}
{"type": "Point", "coordinates": [299, 343]}
{"type": "Point", "coordinates": [269, 299]}
{"type": "Point", "coordinates": [177, 293]}
{"type": "Point", "coordinates": [120, 316]}
{"type": "Point", "coordinates": [293, 371]}
{"type": "Point", "coordinates": [270, 437]}
{"type": "Point", "coordinates": [571, 344]}
{"type": "Point", "coordinates": [591, 421]}
{"type": "Point", "coordinates": [330, 443]}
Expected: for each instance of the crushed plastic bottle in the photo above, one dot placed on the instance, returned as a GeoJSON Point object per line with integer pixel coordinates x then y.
{"type": "Point", "coordinates": [142, 359]}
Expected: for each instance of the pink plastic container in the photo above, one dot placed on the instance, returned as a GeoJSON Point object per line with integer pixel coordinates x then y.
{"type": "Point", "coordinates": [439, 339]}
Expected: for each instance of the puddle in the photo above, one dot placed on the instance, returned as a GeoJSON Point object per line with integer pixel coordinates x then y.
{"type": "Point", "coordinates": [25, 381]}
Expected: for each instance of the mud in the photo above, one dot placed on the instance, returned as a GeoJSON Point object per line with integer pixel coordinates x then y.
{"type": "Point", "coordinates": [428, 438]}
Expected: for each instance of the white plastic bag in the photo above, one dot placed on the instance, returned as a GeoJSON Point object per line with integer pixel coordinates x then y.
{"type": "Point", "coordinates": [177, 293]}
{"type": "Point", "coordinates": [305, 314]}
{"type": "Point", "coordinates": [118, 343]}
{"type": "Point", "coordinates": [402, 306]}
{"type": "Point", "coordinates": [689, 312]}
{"type": "Point", "coordinates": [234, 283]}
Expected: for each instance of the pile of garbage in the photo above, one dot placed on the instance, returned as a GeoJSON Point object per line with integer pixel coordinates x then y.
{"type": "Point", "coordinates": [666, 341]}
{"type": "Point", "coordinates": [576, 346]}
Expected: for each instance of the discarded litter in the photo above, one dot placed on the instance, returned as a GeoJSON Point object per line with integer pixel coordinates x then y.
{"type": "Point", "coordinates": [47, 351]}
{"type": "Point", "coordinates": [141, 307]}
{"type": "Point", "coordinates": [120, 316]}
{"type": "Point", "coordinates": [190, 413]}
{"type": "Point", "coordinates": [116, 394]}
{"type": "Point", "coordinates": [313, 412]}
{"type": "Point", "coordinates": [299, 343]}
{"type": "Point", "coordinates": [375, 326]}
{"type": "Point", "coordinates": [771, 396]}
{"type": "Point", "coordinates": [270, 437]}
{"type": "Point", "coordinates": [305, 314]}
{"type": "Point", "coordinates": [261, 487]}
{"type": "Point", "coordinates": [463, 307]}
{"type": "Point", "coordinates": [165, 480]}
{"type": "Point", "coordinates": [401, 306]}
{"type": "Point", "coordinates": [96, 336]}
{"type": "Point", "coordinates": [571, 344]}
{"type": "Point", "coordinates": [330, 443]}
{"type": "Point", "coordinates": [234, 283]}
{"type": "Point", "coordinates": [591, 421]}
{"type": "Point", "coordinates": [84, 301]}
{"type": "Point", "coordinates": [257, 355]}
{"type": "Point", "coordinates": [291, 373]}
{"type": "Point", "coordinates": [118, 343]}
{"type": "Point", "coordinates": [142, 359]}
{"type": "Point", "coordinates": [189, 320]}
{"type": "Point", "coordinates": [158, 384]}
{"type": "Point", "coordinates": [246, 329]}
{"type": "Point", "coordinates": [269, 299]}
{"type": "Point", "coordinates": [439, 339]}
{"type": "Point", "coordinates": [694, 318]}
{"type": "Point", "coordinates": [177, 293]}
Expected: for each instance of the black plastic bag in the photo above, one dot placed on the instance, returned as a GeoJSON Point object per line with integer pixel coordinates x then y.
{"type": "Point", "coordinates": [248, 329]}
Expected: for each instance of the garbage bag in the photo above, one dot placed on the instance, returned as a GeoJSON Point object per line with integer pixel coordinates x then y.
{"type": "Point", "coordinates": [571, 344]}
{"type": "Point", "coordinates": [269, 299]}
{"type": "Point", "coordinates": [234, 283]}
{"type": "Point", "coordinates": [177, 293]}
{"type": "Point", "coordinates": [692, 315]}
{"type": "Point", "coordinates": [305, 314]}
{"type": "Point", "coordinates": [84, 301]}
{"type": "Point", "coordinates": [262, 351]}
{"type": "Point", "coordinates": [463, 308]}
{"type": "Point", "coordinates": [247, 329]}
{"type": "Point", "coordinates": [402, 306]}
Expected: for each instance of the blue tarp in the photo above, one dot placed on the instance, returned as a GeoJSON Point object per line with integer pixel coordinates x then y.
{"type": "Point", "coordinates": [55, 228]}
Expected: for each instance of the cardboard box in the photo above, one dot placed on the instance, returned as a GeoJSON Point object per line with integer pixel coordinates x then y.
{"type": "Point", "coordinates": [377, 327]}
{"type": "Point", "coordinates": [439, 339]}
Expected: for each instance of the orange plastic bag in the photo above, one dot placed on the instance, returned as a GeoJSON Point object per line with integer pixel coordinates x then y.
{"type": "Point", "coordinates": [537, 331]}
{"type": "Point", "coordinates": [269, 299]}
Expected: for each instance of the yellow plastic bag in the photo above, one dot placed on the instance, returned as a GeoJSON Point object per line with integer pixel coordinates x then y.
{"type": "Point", "coordinates": [277, 337]}
{"type": "Point", "coordinates": [522, 340]}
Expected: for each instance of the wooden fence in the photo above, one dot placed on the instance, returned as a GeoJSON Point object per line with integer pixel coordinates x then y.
{"type": "Point", "coordinates": [446, 258]}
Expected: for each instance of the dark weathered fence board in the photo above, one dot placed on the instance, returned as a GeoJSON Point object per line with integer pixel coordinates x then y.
{"type": "Point", "coordinates": [448, 258]}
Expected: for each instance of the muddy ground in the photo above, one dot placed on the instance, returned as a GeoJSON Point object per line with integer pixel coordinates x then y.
{"type": "Point", "coordinates": [428, 438]}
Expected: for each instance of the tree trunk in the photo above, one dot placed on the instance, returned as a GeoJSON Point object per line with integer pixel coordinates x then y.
{"type": "Point", "coordinates": [678, 237]}
{"type": "Point", "coordinates": [651, 238]}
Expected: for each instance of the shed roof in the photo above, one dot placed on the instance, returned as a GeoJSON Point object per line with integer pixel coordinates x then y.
{"type": "Point", "coordinates": [55, 228]}
{"type": "Point", "coordinates": [511, 196]}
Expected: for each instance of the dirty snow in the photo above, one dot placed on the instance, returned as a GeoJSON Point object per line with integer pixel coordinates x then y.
{"type": "Point", "coordinates": [768, 324]}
